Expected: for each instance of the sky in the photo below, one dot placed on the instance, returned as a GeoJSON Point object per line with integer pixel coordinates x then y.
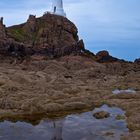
{"type": "Point", "coordinates": [112, 25]}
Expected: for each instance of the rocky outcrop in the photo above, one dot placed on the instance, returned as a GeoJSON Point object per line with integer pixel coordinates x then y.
{"type": "Point", "coordinates": [21, 51]}
{"type": "Point", "coordinates": [50, 36]}
{"type": "Point", "coordinates": [137, 61]}
{"type": "Point", "coordinates": [11, 48]}
{"type": "Point", "coordinates": [47, 37]}
{"type": "Point", "coordinates": [30, 24]}
{"type": "Point", "coordinates": [104, 56]}
{"type": "Point", "coordinates": [101, 115]}
{"type": "Point", "coordinates": [2, 29]}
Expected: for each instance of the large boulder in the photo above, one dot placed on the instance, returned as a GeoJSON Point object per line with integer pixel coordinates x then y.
{"type": "Point", "coordinates": [137, 61]}
{"type": "Point", "coordinates": [104, 56]}
{"type": "Point", "coordinates": [48, 30]}
{"type": "Point", "coordinates": [101, 115]}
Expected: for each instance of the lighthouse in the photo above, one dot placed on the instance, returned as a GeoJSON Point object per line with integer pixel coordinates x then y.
{"type": "Point", "coordinates": [57, 8]}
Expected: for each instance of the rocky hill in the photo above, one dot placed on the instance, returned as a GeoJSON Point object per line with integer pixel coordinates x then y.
{"type": "Point", "coordinates": [49, 36]}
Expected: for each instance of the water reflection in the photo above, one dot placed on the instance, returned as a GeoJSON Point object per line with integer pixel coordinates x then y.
{"type": "Point", "coordinates": [72, 127]}
{"type": "Point", "coordinates": [127, 91]}
{"type": "Point", "coordinates": [58, 130]}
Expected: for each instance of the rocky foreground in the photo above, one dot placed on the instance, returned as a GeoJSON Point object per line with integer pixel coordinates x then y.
{"type": "Point", "coordinates": [67, 84]}
{"type": "Point", "coordinates": [45, 69]}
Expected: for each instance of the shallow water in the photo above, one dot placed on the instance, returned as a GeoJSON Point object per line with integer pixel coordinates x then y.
{"type": "Point", "coordinates": [128, 91]}
{"type": "Point", "coordinates": [72, 127]}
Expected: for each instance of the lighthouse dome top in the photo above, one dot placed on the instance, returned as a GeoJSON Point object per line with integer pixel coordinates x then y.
{"type": "Point", "coordinates": [57, 8]}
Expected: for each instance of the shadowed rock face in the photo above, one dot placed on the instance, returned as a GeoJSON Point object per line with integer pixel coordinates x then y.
{"type": "Point", "coordinates": [137, 61]}
{"type": "Point", "coordinates": [50, 35]}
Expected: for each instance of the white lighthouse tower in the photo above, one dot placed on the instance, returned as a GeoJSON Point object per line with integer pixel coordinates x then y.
{"type": "Point", "coordinates": [57, 8]}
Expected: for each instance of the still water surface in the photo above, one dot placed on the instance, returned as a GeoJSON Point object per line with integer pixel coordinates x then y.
{"type": "Point", "coordinates": [72, 127]}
